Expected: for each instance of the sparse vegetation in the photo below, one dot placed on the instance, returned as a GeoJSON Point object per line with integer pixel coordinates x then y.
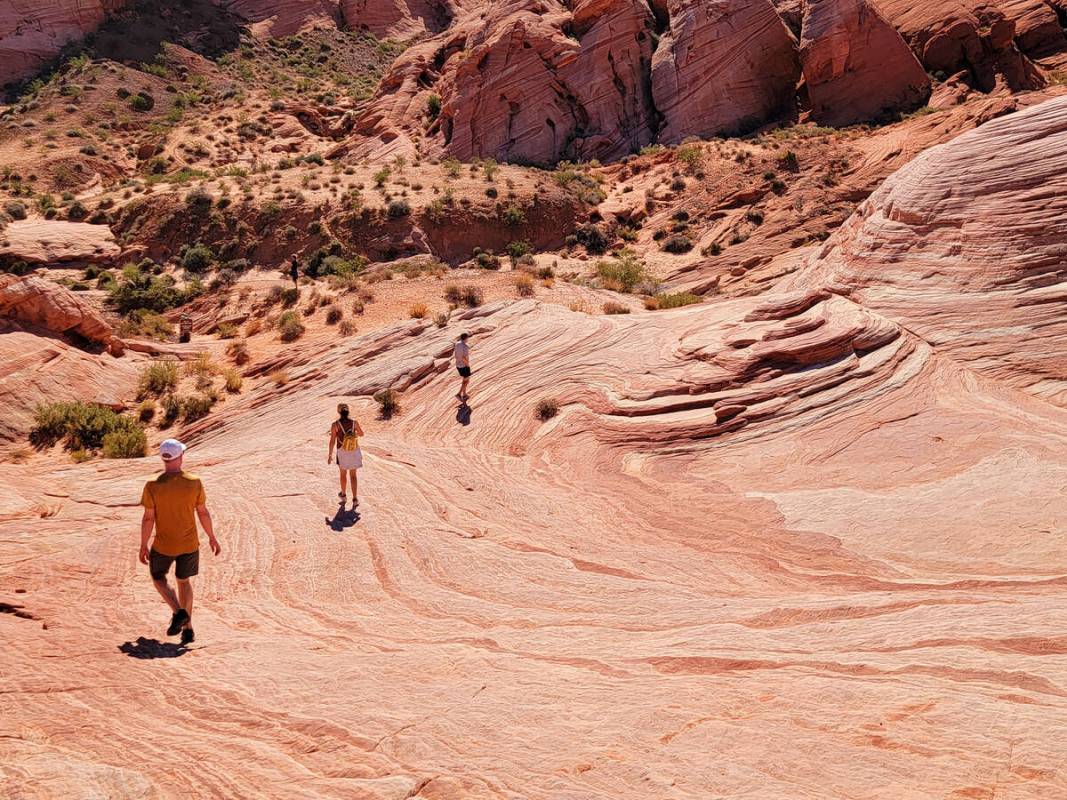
{"type": "Point", "coordinates": [622, 274]}
{"type": "Point", "coordinates": [524, 285]}
{"type": "Point", "coordinates": [290, 328]}
{"type": "Point", "coordinates": [279, 377]}
{"type": "Point", "coordinates": [388, 403]}
{"type": "Point", "coordinates": [677, 300]}
{"type": "Point", "coordinates": [677, 243]}
{"type": "Point", "coordinates": [157, 379]}
{"type": "Point", "coordinates": [79, 426]}
{"type": "Point", "coordinates": [418, 311]}
{"type": "Point", "coordinates": [611, 307]}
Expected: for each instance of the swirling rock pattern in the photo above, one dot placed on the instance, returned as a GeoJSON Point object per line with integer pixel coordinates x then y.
{"type": "Point", "coordinates": [816, 534]}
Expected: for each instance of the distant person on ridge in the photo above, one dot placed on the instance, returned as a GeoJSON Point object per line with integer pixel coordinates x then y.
{"type": "Point", "coordinates": [169, 504]}
{"type": "Point", "coordinates": [294, 271]}
{"type": "Point", "coordinates": [344, 434]}
{"type": "Point", "coordinates": [462, 353]}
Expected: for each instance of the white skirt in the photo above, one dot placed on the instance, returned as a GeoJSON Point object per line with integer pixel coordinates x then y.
{"type": "Point", "coordinates": [350, 459]}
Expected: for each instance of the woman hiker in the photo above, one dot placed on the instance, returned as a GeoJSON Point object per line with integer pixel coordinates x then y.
{"type": "Point", "coordinates": [344, 435]}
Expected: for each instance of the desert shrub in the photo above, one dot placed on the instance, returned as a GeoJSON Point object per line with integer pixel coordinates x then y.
{"type": "Point", "coordinates": [487, 261]}
{"type": "Point", "coordinates": [290, 328]}
{"type": "Point", "coordinates": [202, 366]}
{"type": "Point", "coordinates": [157, 379]}
{"type": "Point", "coordinates": [381, 176]}
{"type": "Point", "coordinates": [689, 154]}
{"type": "Point", "coordinates": [238, 353]}
{"type": "Point", "coordinates": [198, 199]}
{"type": "Point", "coordinates": [80, 426]}
{"type": "Point", "coordinates": [172, 407]}
{"type": "Point", "coordinates": [398, 208]}
{"type": "Point", "coordinates": [289, 296]}
{"type": "Point", "coordinates": [279, 377]}
{"type": "Point", "coordinates": [127, 442]}
{"type": "Point", "coordinates": [232, 379]}
{"type": "Point", "coordinates": [676, 300]}
{"type": "Point", "coordinates": [253, 326]}
{"type": "Point", "coordinates": [197, 257]}
{"type": "Point", "coordinates": [754, 216]}
{"type": "Point", "coordinates": [547, 409]}
{"type": "Point", "coordinates": [712, 249]}
{"type": "Point", "coordinates": [146, 410]}
{"type": "Point", "coordinates": [346, 328]}
{"type": "Point", "coordinates": [517, 250]}
{"type": "Point", "coordinates": [15, 209]}
{"type": "Point", "coordinates": [334, 315]}
{"type": "Point", "coordinates": [622, 274]}
{"type": "Point", "coordinates": [433, 106]}
{"type": "Point", "coordinates": [678, 184]}
{"type": "Point", "coordinates": [139, 289]}
{"type": "Point", "coordinates": [592, 237]}
{"type": "Point", "coordinates": [196, 406]}
{"type": "Point", "coordinates": [677, 243]}
{"type": "Point", "coordinates": [453, 294]}
{"type": "Point", "coordinates": [227, 330]}
{"type": "Point", "coordinates": [440, 320]}
{"type": "Point", "coordinates": [418, 311]}
{"type": "Point", "coordinates": [524, 286]}
{"type": "Point", "coordinates": [388, 403]}
{"type": "Point", "coordinates": [144, 323]}
{"type": "Point", "coordinates": [472, 296]}
{"type": "Point", "coordinates": [514, 215]}
{"type": "Point", "coordinates": [611, 307]}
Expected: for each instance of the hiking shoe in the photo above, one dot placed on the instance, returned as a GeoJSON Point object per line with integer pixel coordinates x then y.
{"type": "Point", "coordinates": [355, 503]}
{"type": "Point", "coordinates": [181, 616]}
{"type": "Point", "coordinates": [187, 636]}
{"type": "Point", "coordinates": [342, 497]}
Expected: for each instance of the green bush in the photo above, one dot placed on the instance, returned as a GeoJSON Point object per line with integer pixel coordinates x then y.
{"type": "Point", "coordinates": [433, 106]}
{"type": "Point", "coordinates": [623, 273]}
{"type": "Point", "coordinates": [677, 243]}
{"type": "Point", "coordinates": [399, 208]}
{"type": "Point", "coordinates": [15, 209]}
{"type": "Point", "coordinates": [197, 257]}
{"type": "Point", "coordinates": [593, 238]}
{"type": "Point", "coordinates": [157, 379]}
{"type": "Point", "coordinates": [289, 296]}
{"type": "Point", "coordinates": [80, 426]}
{"type": "Point", "coordinates": [138, 289]}
{"type": "Point", "coordinates": [196, 406]}
{"type": "Point", "coordinates": [128, 442]}
{"type": "Point", "coordinates": [172, 407]}
{"type": "Point", "coordinates": [514, 215]}
{"type": "Point", "coordinates": [290, 328]}
{"type": "Point", "coordinates": [611, 307]}
{"type": "Point", "coordinates": [146, 324]}
{"type": "Point", "coordinates": [146, 411]}
{"type": "Point", "coordinates": [676, 300]}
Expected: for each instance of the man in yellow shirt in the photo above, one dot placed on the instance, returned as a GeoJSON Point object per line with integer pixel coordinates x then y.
{"type": "Point", "coordinates": [169, 503]}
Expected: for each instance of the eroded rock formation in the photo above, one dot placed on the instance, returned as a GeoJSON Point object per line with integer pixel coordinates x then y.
{"type": "Point", "coordinates": [40, 303]}
{"type": "Point", "coordinates": [856, 66]}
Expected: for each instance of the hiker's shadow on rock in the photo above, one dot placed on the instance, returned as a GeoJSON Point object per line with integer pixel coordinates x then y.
{"type": "Point", "coordinates": [463, 414]}
{"type": "Point", "coordinates": [152, 648]}
{"type": "Point", "coordinates": [343, 519]}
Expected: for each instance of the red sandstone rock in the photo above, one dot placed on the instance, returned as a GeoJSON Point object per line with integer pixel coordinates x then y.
{"type": "Point", "coordinates": [38, 302]}
{"type": "Point", "coordinates": [38, 241]}
{"type": "Point", "coordinates": [724, 66]}
{"type": "Point", "coordinates": [977, 36]}
{"type": "Point", "coordinates": [34, 31]}
{"type": "Point", "coordinates": [856, 66]}
{"type": "Point", "coordinates": [284, 17]}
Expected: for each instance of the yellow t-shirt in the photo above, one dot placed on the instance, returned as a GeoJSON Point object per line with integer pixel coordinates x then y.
{"type": "Point", "coordinates": [174, 496]}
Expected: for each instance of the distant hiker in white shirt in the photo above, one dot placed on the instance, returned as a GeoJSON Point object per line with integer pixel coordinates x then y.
{"type": "Point", "coordinates": [462, 353]}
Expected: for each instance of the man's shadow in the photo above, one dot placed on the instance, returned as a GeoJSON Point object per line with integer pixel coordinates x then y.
{"type": "Point", "coordinates": [343, 519]}
{"type": "Point", "coordinates": [152, 648]}
{"type": "Point", "coordinates": [463, 414]}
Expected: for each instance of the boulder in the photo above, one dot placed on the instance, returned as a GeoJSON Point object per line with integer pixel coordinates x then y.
{"type": "Point", "coordinates": [723, 67]}
{"type": "Point", "coordinates": [39, 241]}
{"type": "Point", "coordinates": [37, 302]}
{"type": "Point", "coordinates": [856, 66]}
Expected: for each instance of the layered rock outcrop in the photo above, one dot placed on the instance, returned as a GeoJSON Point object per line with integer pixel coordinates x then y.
{"type": "Point", "coordinates": [724, 66]}
{"type": "Point", "coordinates": [41, 304]}
{"type": "Point", "coordinates": [981, 38]}
{"type": "Point", "coordinates": [856, 66]}
{"type": "Point", "coordinates": [34, 31]}
{"type": "Point", "coordinates": [967, 246]}
{"type": "Point", "coordinates": [40, 241]}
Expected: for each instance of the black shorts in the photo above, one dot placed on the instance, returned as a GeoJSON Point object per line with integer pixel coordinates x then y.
{"type": "Point", "coordinates": [464, 371]}
{"type": "Point", "coordinates": [185, 566]}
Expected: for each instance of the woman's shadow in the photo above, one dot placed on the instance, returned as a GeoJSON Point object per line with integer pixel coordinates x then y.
{"type": "Point", "coordinates": [343, 518]}
{"type": "Point", "coordinates": [152, 648]}
{"type": "Point", "coordinates": [463, 413]}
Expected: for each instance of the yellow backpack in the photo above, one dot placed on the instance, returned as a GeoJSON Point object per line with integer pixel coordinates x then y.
{"type": "Point", "coordinates": [349, 440]}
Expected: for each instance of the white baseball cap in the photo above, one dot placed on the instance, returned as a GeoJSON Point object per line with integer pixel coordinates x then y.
{"type": "Point", "coordinates": [170, 449]}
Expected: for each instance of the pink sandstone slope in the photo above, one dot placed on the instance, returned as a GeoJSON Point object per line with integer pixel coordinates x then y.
{"type": "Point", "coordinates": [800, 546]}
